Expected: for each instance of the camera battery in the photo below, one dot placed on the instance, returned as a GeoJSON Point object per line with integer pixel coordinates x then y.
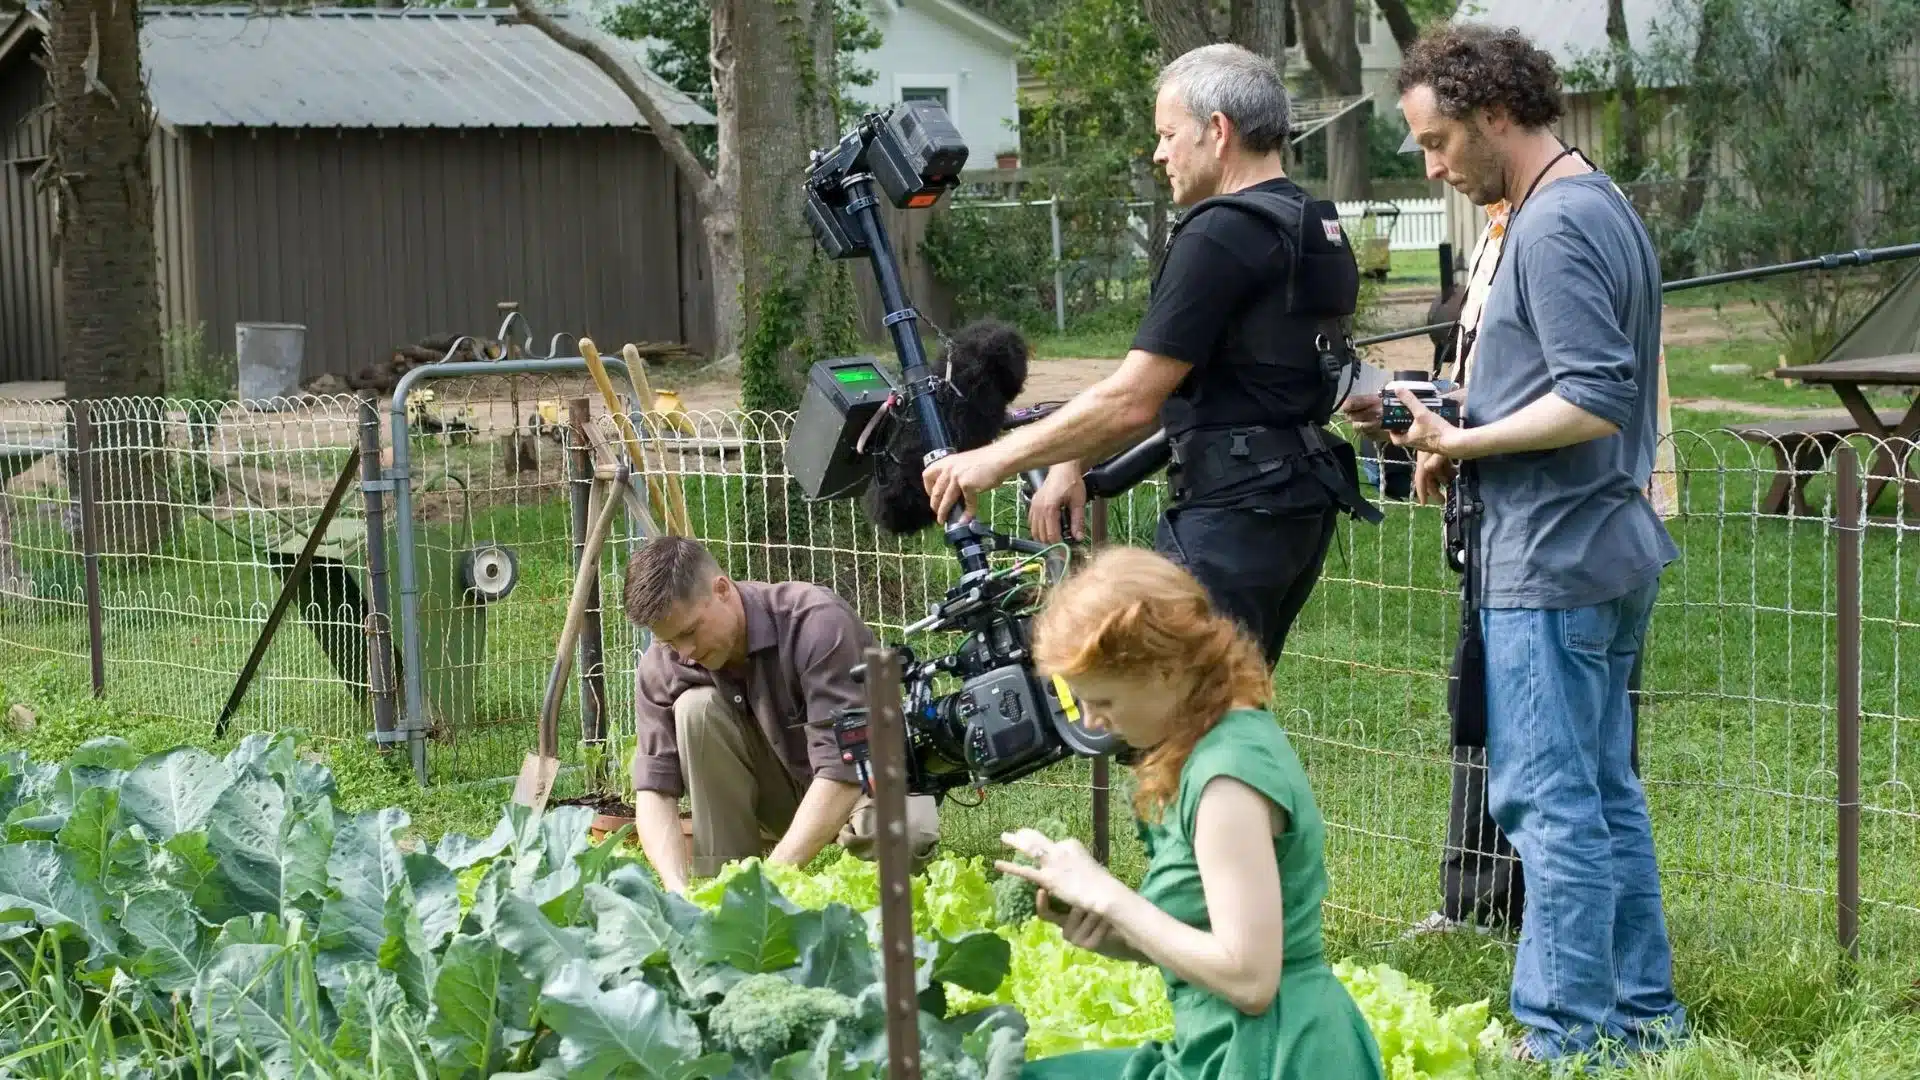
{"type": "Point", "coordinates": [841, 399]}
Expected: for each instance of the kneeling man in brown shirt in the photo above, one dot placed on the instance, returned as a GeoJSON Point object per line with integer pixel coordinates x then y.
{"type": "Point", "coordinates": [733, 707]}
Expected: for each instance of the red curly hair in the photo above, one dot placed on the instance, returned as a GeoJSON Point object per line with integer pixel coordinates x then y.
{"type": "Point", "coordinates": [1130, 612]}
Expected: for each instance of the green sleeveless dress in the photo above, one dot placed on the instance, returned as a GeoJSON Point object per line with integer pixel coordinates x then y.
{"type": "Point", "coordinates": [1313, 1030]}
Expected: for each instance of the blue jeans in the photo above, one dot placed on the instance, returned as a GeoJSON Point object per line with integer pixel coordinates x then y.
{"type": "Point", "coordinates": [1593, 960]}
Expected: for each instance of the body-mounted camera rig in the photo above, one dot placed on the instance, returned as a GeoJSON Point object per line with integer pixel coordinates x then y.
{"type": "Point", "coordinates": [1002, 721]}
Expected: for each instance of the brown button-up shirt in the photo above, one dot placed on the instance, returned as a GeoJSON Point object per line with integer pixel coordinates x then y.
{"type": "Point", "coordinates": [803, 641]}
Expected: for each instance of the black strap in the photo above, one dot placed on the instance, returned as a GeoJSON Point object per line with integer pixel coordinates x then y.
{"type": "Point", "coordinates": [1213, 460]}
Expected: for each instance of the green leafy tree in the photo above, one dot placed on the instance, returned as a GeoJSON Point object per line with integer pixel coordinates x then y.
{"type": "Point", "coordinates": [684, 30]}
{"type": "Point", "coordinates": [1807, 112]}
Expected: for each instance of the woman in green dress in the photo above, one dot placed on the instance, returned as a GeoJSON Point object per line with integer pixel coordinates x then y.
{"type": "Point", "coordinates": [1229, 909]}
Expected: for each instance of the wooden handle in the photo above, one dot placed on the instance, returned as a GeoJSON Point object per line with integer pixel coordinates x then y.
{"type": "Point", "coordinates": [583, 579]}
{"type": "Point", "coordinates": [627, 435]}
{"type": "Point", "coordinates": [677, 521]}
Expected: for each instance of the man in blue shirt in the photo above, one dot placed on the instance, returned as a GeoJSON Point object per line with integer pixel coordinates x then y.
{"type": "Point", "coordinates": [1555, 448]}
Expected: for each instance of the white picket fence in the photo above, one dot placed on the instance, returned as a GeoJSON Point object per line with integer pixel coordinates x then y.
{"type": "Point", "coordinates": [1421, 224]}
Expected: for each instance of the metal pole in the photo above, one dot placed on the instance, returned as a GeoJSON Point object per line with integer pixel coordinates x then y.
{"type": "Point", "coordinates": [1059, 272]}
{"type": "Point", "coordinates": [886, 731]}
{"type": "Point", "coordinates": [1849, 525]}
{"type": "Point", "coordinates": [593, 686]}
{"type": "Point", "coordinates": [1102, 765]}
{"type": "Point", "coordinates": [90, 542]}
{"type": "Point", "coordinates": [379, 628]}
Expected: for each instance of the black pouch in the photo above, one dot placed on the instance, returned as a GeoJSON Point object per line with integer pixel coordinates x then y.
{"type": "Point", "coordinates": [1326, 274]}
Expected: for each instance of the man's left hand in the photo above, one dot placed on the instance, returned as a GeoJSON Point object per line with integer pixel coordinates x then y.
{"type": "Point", "coordinates": [1428, 433]}
{"type": "Point", "coordinates": [960, 477]}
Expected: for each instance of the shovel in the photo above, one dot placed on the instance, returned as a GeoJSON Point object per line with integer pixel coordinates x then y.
{"type": "Point", "coordinates": [537, 772]}
{"type": "Point", "coordinates": [598, 369]}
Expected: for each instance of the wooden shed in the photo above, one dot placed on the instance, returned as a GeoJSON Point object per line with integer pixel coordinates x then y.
{"type": "Point", "coordinates": [378, 175]}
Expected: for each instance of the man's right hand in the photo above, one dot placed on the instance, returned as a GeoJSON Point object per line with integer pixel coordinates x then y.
{"type": "Point", "coordinates": [1431, 476]}
{"type": "Point", "coordinates": [1063, 490]}
{"type": "Point", "coordinates": [1365, 413]}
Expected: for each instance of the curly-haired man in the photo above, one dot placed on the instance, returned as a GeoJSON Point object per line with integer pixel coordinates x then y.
{"type": "Point", "coordinates": [1564, 549]}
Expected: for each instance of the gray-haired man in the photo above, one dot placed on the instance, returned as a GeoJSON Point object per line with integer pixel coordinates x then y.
{"type": "Point", "coordinates": [1228, 361]}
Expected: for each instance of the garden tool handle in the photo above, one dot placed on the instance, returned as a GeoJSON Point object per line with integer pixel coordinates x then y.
{"type": "Point", "coordinates": [583, 578]}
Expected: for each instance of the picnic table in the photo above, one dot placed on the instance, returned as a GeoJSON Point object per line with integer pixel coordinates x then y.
{"type": "Point", "coordinates": [1894, 459]}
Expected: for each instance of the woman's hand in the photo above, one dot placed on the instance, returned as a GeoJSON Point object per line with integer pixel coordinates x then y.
{"type": "Point", "coordinates": [1063, 869]}
{"type": "Point", "coordinates": [1078, 925]}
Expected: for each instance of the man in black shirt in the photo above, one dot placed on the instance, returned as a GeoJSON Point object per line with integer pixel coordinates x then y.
{"type": "Point", "coordinates": [1236, 359]}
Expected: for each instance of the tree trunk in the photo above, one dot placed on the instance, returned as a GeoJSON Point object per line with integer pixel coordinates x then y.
{"type": "Point", "coordinates": [1400, 22]}
{"type": "Point", "coordinates": [1693, 192]}
{"type": "Point", "coordinates": [1326, 33]}
{"type": "Point", "coordinates": [717, 195]}
{"type": "Point", "coordinates": [108, 263]}
{"type": "Point", "coordinates": [1632, 156]}
{"type": "Point", "coordinates": [1181, 25]}
{"type": "Point", "coordinates": [799, 304]}
{"type": "Point", "coordinates": [1261, 25]}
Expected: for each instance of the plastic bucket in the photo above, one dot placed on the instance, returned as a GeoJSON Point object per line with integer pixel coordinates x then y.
{"type": "Point", "coordinates": [271, 356]}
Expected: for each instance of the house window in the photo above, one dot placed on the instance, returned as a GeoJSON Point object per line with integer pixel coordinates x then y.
{"type": "Point", "coordinates": [935, 94]}
{"type": "Point", "coordinates": [1363, 23]}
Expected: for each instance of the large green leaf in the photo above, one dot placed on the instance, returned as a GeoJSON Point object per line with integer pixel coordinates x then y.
{"type": "Point", "coordinates": [565, 832]}
{"type": "Point", "coordinates": [306, 851]}
{"type": "Point", "coordinates": [436, 896]}
{"type": "Point", "coordinates": [541, 947]}
{"type": "Point", "coordinates": [38, 880]}
{"type": "Point", "coordinates": [632, 1031]}
{"type": "Point", "coordinates": [249, 1011]}
{"type": "Point", "coordinates": [89, 832]}
{"type": "Point", "coordinates": [376, 1022]}
{"type": "Point", "coordinates": [176, 945]}
{"type": "Point", "coordinates": [482, 1009]}
{"type": "Point", "coordinates": [173, 792]}
{"type": "Point", "coordinates": [365, 867]}
{"type": "Point", "coordinates": [404, 950]}
{"type": "Point", "coordinates": [627, 936]}
{"type": "Point", "coordinates": [978, 961]}
{"type": "Point", "coordinates": [834, 952]}
{"type": "Point", "coordinates": [753, 928]}
{"type": "Point", "coordinates": [244, 831]}
{"type": "Point", "coordinates": [457, 851]}
{"type": "Point", "coordinates": [826, 1061]}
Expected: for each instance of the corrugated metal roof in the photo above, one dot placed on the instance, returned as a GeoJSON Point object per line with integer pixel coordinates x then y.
{"type": "Point", "coordinates": [374, 68]}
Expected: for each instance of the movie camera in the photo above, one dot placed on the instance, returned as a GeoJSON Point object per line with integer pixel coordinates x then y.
{"type": "Point", "coordinates": [1001, 721]}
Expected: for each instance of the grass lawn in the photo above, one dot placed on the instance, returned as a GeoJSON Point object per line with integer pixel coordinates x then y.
{"type": "Point", "coordinates": [1738, 731]}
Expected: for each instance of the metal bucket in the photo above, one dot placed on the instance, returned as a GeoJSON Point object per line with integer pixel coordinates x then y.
{"type": "Point", "coordinates": [272, 356]}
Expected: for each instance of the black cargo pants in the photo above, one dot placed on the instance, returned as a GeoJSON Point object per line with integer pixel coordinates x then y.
{"type": "Point", "coordinates": [1259, 564]}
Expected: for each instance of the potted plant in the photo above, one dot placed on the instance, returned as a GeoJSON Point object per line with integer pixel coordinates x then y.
{"type": "Point", "coordinates": [1007, 158]}
{"type": "Point", "coordinates": [609, 787]}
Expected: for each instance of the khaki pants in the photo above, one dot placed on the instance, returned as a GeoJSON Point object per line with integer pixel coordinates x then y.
{"type": "Point", "coordinates": [742, 795]}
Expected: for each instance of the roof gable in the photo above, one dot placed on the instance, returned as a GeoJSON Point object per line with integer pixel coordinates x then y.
{"type": "Point", "coordinates": [956, 16]}
{"type": "Point", "coordinates": [383, 68]}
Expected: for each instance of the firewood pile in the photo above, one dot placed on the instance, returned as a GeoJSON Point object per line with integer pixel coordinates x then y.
{"type": "Point", "coordinates": [384, 375]}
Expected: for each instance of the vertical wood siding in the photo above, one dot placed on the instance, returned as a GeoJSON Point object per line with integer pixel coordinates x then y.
{"type": "Point", "coordinates": [376, 239]}
{"type": "Point", "coordinates": [29, 285]}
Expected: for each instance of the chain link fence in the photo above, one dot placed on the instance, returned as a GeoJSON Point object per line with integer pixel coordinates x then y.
{"type": "Point", "coordinates": [1767, 808]}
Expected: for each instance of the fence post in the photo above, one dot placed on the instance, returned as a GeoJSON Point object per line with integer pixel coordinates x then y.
{"type": "Point", "coordinates": [379, 628]}
{"type": "Point", "coordinates": [1849, 525]}
{"type": "Point", "coordinates": [90, 542]}
{"type": "Point", "coordinates": [593, 687]}
{"type": "Point", "coordinates": [1102, 765]}
{"type": "Point", "coordinates": [887, 757]}
{"type": "Point", "coordinates": [1059, 272]}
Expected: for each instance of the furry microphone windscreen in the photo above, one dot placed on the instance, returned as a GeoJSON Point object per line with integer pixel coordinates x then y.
{"type": "Point", "coordinates": [985, 365]}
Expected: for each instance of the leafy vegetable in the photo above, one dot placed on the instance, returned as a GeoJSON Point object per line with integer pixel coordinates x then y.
{"type": "Point", "coordinates": [245, 925]}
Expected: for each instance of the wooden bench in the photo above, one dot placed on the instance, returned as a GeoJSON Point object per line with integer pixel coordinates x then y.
{"type": "Point", "coordinates": [1801, 449]}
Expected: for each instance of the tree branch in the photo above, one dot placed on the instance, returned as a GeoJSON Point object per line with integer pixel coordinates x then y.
{"type": "Point", "coordinates": [1181, 25]}
{"type": "Point", "coordinates": [710, 194]}
{"type": "Point", "coordinates": [1400, 22]}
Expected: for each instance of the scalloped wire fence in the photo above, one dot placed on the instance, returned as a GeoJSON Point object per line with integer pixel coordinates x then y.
{"type": "Point", "coordinates": [202, 509]}
{"type": "Point", "coordinates": [1739, 732]}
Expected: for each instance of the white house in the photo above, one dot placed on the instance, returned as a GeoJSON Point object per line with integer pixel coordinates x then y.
{"type": "Point", "coordinates": [946, 51]}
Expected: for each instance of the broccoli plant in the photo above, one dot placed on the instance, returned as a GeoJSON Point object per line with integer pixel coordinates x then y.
{"type": "Point", "coordinates": [769, 1016]}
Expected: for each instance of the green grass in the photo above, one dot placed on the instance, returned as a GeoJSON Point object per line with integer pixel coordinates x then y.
{"type": "Point", "coordinates": [1738, 737]}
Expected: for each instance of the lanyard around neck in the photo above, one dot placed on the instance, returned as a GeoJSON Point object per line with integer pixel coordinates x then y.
{"type": "Point", "coordinates": [1469, 334]}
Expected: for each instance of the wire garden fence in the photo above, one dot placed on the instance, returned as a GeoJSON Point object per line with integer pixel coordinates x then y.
{"type": "Point", "coordinates": [1779, 694]}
